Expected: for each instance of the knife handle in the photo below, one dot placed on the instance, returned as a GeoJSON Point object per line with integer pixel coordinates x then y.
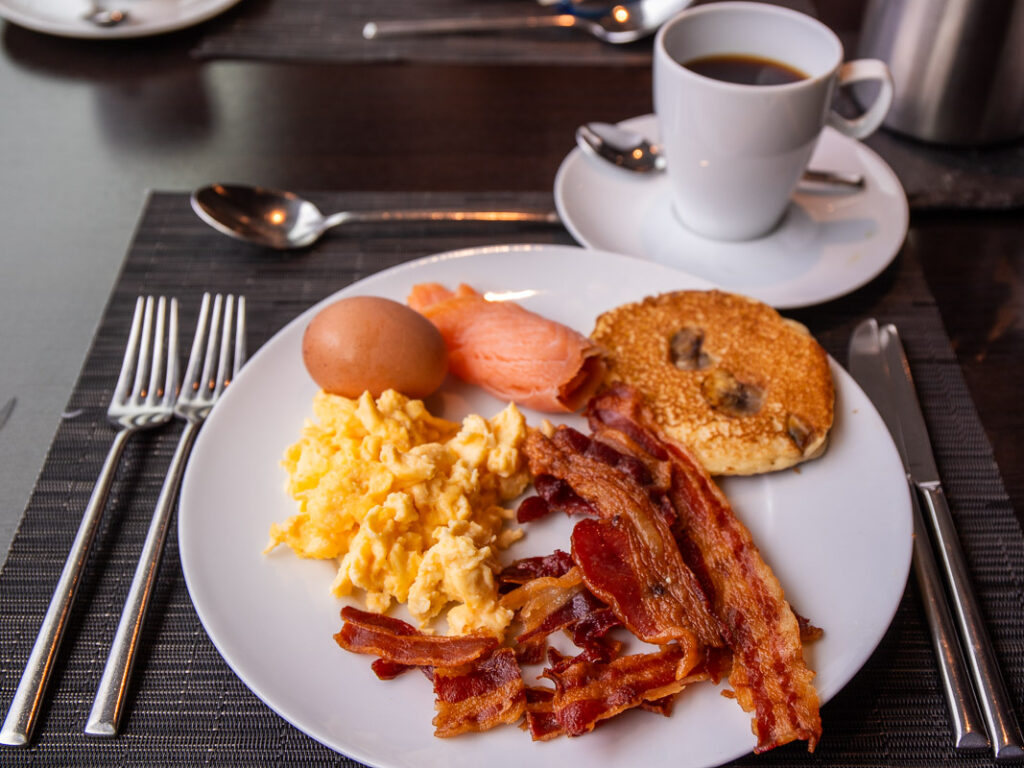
{"type": "Point", "coordinates": [968, 729]}
{"type": "Point", "coordinates": [996, 706]}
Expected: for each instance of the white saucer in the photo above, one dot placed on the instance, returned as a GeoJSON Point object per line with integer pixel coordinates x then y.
{"type": "Point", "coordinates": [65, 18]}
{"type": "Point", "coordinates": [828, 244]}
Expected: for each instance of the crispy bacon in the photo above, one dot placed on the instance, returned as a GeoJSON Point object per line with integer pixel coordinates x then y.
{"type": "Point", "coordinates": [547, 604]}
{"type": "Point", "coordinates": [808, 632]}
{"type": "Point", "coordinates": [540, 717]}
{"type": "Point", "coordinates": [539, 599]}
{"type": "Point", "coordinates": [388, 670]}
{"type": "Point", "coordinates": [662, 706]}
{"type": "Point", "coordinates": [558, 495]}
{"type": "Point", "coordinates": [532, 508]}
{"type": "Point", "coordinates": [397, 642]}
{"type": "Point", "coordinates": [768, 672]}
{"type": "Point", "coordinates": [532, 652]}
{"type": "Point", "coordinates": [479, 696]}
{"type": "Point", "coordinates": [558, 563]}
{"type": "Point", "coordinates": [650, 588]}
{"type": "Point", "coordinates": [586, 693]}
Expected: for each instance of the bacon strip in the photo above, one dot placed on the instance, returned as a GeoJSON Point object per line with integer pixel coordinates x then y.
{"type": "Point", "coordinates": [547, 604]}
{"type": "Point", "coordinates": [586, 693]}
{"type": "Point", "coordinates": [768, 675]}
{"type": "Point", "coordinates": [651, 589]}
{"type": "Point", "coordinates": [558, 563]}
{"type": "Point", "coordinates": [481, 696]}
{"type": "Point", "coordinates": [540, 716]}
{"type": "Point", "coordinates": [397, 642]}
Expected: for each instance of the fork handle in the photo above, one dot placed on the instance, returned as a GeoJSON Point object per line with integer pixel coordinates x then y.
{"type": "Point", "coordinates": [108, 706]}
{"type": "Point", "coordinates": [25, 706]}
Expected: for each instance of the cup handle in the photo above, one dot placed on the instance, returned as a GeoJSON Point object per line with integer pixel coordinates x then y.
{"type": "Point", "coordinates": [855, 72]}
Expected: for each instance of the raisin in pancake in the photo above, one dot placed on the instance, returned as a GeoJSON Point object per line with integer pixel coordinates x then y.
{"type": "Point", "coordinates": [746, 389]}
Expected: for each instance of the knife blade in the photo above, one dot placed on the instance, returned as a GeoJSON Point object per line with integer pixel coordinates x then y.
{"type": "Point", "coordinates": [869, 367]}
{"type": "Point", "coordinates": [997, 709]}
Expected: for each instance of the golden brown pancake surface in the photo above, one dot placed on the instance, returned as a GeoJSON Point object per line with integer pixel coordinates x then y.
{"type": "Point", "coordinates": [746, 389]}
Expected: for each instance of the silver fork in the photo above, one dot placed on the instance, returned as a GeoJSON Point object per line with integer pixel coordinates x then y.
{"type": "Point", "coordinates": [213, 364]}
{"type": "Point", "coordinates": [143, 398]}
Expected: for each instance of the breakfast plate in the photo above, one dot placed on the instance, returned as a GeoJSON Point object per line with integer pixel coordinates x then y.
{"type": "Point", "coordinates": [840, 545]}
{"type": "Point", "coordinates": [66, 18]}
{"type": "Point", "coordinates": [828, 244]}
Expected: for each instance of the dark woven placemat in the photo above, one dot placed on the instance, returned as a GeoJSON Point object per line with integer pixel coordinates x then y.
{"type": "Point", "coordinates": [188, 708]}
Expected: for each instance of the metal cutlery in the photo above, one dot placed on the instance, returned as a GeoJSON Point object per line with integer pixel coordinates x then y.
{"type": "Point", "coordinates": [282, 220]}
{"type": "Point", "coordinates": [623, 23]}
{"type": "Point", "coordinates": [143, 398]}
{"type": "Point", "coordinates": [879, 363]}
{"type": "Point", "coordinates": [218, 351]}
{"type": "Point", "coordinates": [868, 365]}
{"type": "Point", "coordinates": [104, 17]}
{"type": "Point", "coordinates": [632, 151]}
{"type": "Point", "coordinates": [591, 8]}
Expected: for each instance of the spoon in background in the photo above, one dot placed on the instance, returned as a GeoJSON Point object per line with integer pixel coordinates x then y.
{"type": "Point", "coordinates": [104, 17]}
{"type": "Point", "coordinates": [633, 152]}
{"type": "Point", "coordinates": [593, 9]}
{"type": "Point", "coordinates": [623, 23]}
{"type": "Point", "coordinates": [283, 220]}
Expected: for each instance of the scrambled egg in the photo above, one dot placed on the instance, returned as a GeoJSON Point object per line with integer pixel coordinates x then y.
{"type": "Point", "coordinates": [409, 502]}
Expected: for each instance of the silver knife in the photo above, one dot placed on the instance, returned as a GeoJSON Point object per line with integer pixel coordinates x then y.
{"type": "Point", "coordinates": [997, 709]}
{"type": "Point", "coordinates": [869, 366]}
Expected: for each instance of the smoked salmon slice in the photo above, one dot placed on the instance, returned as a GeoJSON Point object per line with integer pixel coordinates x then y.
{"type": "Point", "coordinates": [511, 352]}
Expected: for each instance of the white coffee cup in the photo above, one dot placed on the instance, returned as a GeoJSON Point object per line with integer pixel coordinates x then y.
{"type": "Point", "coordinates": [736, 152]}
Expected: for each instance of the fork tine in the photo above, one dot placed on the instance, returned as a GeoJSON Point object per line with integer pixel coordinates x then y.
{"type": "Point", "coordinates": [223, 374]}
{"type": "Point", "coordinates": [145, 352]}
{"type": "Point", "coordinates": [239, 336]}
{"type": "Point", "coordinates": [208, 380]}
{"type": "Point", "coordinates": [192, 372]}
{"type": "Point", "coordinates": [170, 392]}
{"type": "Point", "coordinates": [130, 353]}
{"type": "Point", "coordinates": [159, 363]}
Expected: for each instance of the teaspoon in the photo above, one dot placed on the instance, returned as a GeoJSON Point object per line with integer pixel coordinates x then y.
{"type": "Point", "coordinates": [283, 220]}
{"type": "Point", "coordinates": [633, 152]}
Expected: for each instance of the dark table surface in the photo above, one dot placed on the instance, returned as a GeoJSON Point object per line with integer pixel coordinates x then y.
{"type": "Point", "coordinates": [87, 128]}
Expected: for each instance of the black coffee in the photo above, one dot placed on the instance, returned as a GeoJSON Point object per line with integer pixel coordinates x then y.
{"type": "Point", "coordinates": [745, 70]}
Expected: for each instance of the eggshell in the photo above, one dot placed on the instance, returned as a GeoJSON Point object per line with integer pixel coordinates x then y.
{"type": "Point", "coordinates": [370, 343]}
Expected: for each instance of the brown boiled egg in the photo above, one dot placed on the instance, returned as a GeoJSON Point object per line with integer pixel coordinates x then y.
{"type": "Point", "coordinates": [369, 343]}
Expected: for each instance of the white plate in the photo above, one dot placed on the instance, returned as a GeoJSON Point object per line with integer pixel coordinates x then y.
{"type": "Point", "coordinates": [837, 534]}
{"type": "Point", "coordinates": [827, 245]}
{"type": "Point", "coordinates": [145, 17]}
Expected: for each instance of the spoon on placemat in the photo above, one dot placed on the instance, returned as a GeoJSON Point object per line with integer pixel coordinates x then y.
{"type": "Point", "coordinates": [633, 152]}
{"type": "Point", "coordinates": [283, 220]}
{"type": "Point", "coordinates": [622, 23]}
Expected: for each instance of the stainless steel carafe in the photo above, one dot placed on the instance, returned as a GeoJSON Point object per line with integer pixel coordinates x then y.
{"type": "Point", "coordinates": [957, 66]}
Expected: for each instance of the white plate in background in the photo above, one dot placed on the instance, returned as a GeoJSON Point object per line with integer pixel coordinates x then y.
{"type": "Point", "coordinates": [65, 18]}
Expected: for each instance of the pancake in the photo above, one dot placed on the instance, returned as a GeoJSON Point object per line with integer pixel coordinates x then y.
{"type": "Point", "coordinates": [747, 390]}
